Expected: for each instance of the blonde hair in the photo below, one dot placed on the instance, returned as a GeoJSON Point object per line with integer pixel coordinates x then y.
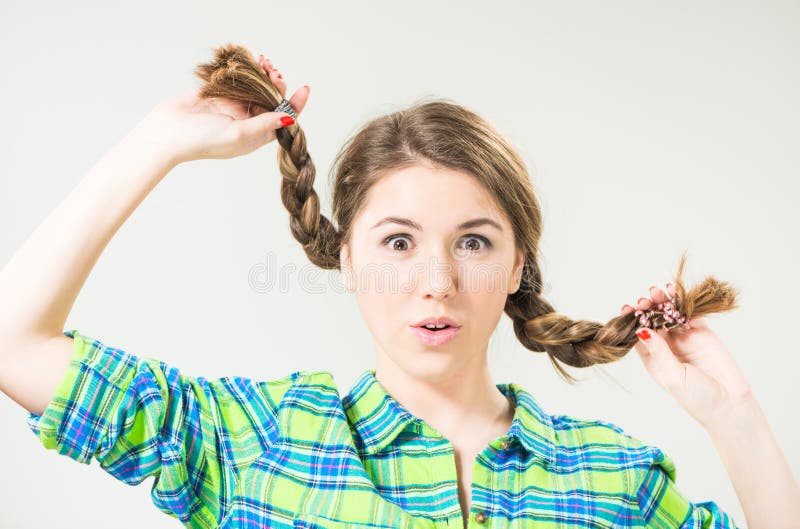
{"type": "Point", "coordinates": [445, 134]}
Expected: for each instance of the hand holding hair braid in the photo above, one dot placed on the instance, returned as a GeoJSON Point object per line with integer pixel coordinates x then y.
{"type": "Point", "coordinates": [585, 343]}
{"type": "Point", "coordinates": [235, 74]}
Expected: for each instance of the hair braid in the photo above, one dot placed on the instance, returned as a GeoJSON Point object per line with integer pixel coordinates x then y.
{"type": "Point", "coordinates": [584, 343]}
{"type": "Point", "coordinates": [235, 74]}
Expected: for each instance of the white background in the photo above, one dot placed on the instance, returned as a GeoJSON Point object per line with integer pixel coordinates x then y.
{"type": "Point", "coordinates": [649, 128]}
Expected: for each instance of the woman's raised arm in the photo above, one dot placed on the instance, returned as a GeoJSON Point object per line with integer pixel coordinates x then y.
{"type": "Point", "coordinates": [40, 283]}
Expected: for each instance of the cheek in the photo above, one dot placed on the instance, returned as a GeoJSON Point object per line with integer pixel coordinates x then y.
{"type": "Point", "coordinates": [487, 280]}
{"type": "Point", "coordinates": [485, 292]}
{"type": "Point", "coordinates": [384, 315]}
{"type": "Point", "coordinates": [485, 305]}
{"type": "Point", "coordinates": [374, 275]}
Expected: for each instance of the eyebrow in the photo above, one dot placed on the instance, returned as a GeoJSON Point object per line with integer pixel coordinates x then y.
{"type": "Point", "coordinates": [481, 221]}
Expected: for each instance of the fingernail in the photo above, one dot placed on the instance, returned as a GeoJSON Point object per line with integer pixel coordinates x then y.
{"type": "Point", "coordinates": [643, 334]}
{"type": "Point", "coordinates": [640, 300]}
{"type": "Point", "coordinates": [287, 120]}
{"type": "Point", "coordinates": [669, 285]}
{"type": "Point", "coordinates": [308, 87]}
{"type": "Point", "coordinates": [625, 306]}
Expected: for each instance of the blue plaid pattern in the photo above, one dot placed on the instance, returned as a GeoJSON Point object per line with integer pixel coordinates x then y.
{"type": "Point", "coordinates": [292, 453]}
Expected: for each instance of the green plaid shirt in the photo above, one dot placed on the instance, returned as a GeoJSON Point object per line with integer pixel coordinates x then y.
{"type": "Point", "coordinates": [290, 453]}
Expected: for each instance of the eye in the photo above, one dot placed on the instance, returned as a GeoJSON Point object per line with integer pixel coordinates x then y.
{"type": "Point", "coordinates": [399, 237]}
{"type": "Point", "coordinates": [472, 247]}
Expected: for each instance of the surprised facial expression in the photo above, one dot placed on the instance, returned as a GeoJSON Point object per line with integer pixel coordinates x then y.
{"type": "Point", "coordinates": [431, 242]}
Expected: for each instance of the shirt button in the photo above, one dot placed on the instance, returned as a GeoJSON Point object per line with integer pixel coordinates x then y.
{"type": "Point", "coordinates": [480, 517]}
{"type": "Point", "coordinates": [504, 445]}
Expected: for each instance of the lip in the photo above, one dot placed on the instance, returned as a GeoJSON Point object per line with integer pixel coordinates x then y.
{"type": "Point", "coordinates": [437, 320]}
{"type": "Point", "coordinates": [435, 337]}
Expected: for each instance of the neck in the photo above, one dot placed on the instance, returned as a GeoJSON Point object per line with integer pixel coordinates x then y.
{"type": "Point", "coordinates": [454, 403]}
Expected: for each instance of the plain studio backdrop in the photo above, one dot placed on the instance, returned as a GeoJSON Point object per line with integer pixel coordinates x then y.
{"type": "Point", "coordinates": [648, 129]}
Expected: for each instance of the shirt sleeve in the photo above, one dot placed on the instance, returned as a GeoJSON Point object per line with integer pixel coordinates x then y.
{"type": "Point", "coordinates": [664, 506]}
{"type": "Point", "coordinates": [141, 417]}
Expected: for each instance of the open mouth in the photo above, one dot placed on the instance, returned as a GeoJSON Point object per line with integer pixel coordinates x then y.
{"type": "Point", "coordinates": [434, 335]}
{"type": "Point", "coordinates": [433, 328]}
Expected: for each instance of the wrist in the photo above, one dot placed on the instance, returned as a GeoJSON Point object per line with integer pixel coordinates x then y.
{"type": "Point", "coordinates": [146, 146]}
{"type": "Point", "coordinates": [150, 136]}
{"type": "Point", "coordinates": [738, 418]}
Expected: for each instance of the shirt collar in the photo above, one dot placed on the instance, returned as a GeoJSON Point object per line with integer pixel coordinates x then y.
{"type": "Point", "coordinates": [378, 418]}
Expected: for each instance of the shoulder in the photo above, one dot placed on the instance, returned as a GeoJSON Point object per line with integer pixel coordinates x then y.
{"type": "Point", "coordinates": [578, 431]}
{"type": "Point", "coordinates": [610, 460]}
{"type": "Point", "coordinates": [318, 377]}
{"type": "Point", "coordinates": [245, 392]}
{"type": "Point", "coordinates": [302, 384]}
{"type": "Point", "coordinates": [606, 443]}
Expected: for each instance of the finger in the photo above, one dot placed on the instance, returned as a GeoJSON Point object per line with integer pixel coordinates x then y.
{"type": "Point", "coordinates": [663, 365]}
{"type": "Point", "coordinates": [671, 289]}
{"type": "Point", "coordinates": [273, 73]}
{"type": "Point", "coordinates": [648, 360]}
{"type": "Point", "coordinates": [657, 295]}
{"type": "Point", "coordinates": [265, 63]}
{"type": "Point", "coordinates": [641, 349]}
{"type": "Point", "coordinates": [645, 357]}
{"type": "Point", "coordinates": [299, 98]}
{"type": "Point", "coordinates": [277, 79]}
{"type": "Point", "coordinates": [643, 303]}
{"type": "Point", "coordinates": [258, 127]}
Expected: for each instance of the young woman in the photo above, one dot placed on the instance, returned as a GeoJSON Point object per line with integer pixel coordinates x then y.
{"type": "Point", "coordinates": [435, 201]}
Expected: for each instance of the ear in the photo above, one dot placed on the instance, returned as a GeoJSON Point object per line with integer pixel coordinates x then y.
{"type": "Point", "coordinates": [345, 265]}
{"type": "Point", "coordinates": [516, 275]}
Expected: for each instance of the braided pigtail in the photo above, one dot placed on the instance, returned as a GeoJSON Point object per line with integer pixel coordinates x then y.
{"type": "Point", "coordinates": [584, 343]}
{"type": "Point", "coordinates": [235, 74]}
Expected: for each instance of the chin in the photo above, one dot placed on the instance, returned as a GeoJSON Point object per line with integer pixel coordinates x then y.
{"type": "Point", "coordinates": [431, 364]}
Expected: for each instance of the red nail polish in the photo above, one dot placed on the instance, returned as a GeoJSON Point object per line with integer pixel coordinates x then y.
{"type": "Point", "coordinates": [644, 334]}
{"type": "Point", "coordinates": [287, 120]}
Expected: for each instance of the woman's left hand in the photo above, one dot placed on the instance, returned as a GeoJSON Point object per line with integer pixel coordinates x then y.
{"type": "Point", "coordinates": [692, 364]}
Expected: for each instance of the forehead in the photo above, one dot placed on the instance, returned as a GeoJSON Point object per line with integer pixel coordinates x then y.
{"type": "Point", "coordinates": [436, 197]}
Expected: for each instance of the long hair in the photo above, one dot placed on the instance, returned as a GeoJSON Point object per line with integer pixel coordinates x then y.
{"type": "Point", "coordinates": [445, 134]}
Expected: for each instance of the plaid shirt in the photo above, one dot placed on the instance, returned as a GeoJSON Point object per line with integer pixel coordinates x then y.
{"type": "Point", "coordinates": [290, 453]}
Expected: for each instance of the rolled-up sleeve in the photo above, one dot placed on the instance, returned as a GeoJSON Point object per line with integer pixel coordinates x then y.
{"type": "Point", "coordinates": [141, 417]}
{"type": "Point", "coordinates": [664, 506]}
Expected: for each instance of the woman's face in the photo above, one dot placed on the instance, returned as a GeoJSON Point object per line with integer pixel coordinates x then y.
{"type": "Point", "coordinates": [408, 259]}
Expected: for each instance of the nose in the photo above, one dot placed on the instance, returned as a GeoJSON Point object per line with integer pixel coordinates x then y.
{"type": "Point", "coordinates": [439, 279]}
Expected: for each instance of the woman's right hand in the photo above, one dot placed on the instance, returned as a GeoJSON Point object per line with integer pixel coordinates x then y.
{"type": "Point", "coordinates": [188, 127]}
